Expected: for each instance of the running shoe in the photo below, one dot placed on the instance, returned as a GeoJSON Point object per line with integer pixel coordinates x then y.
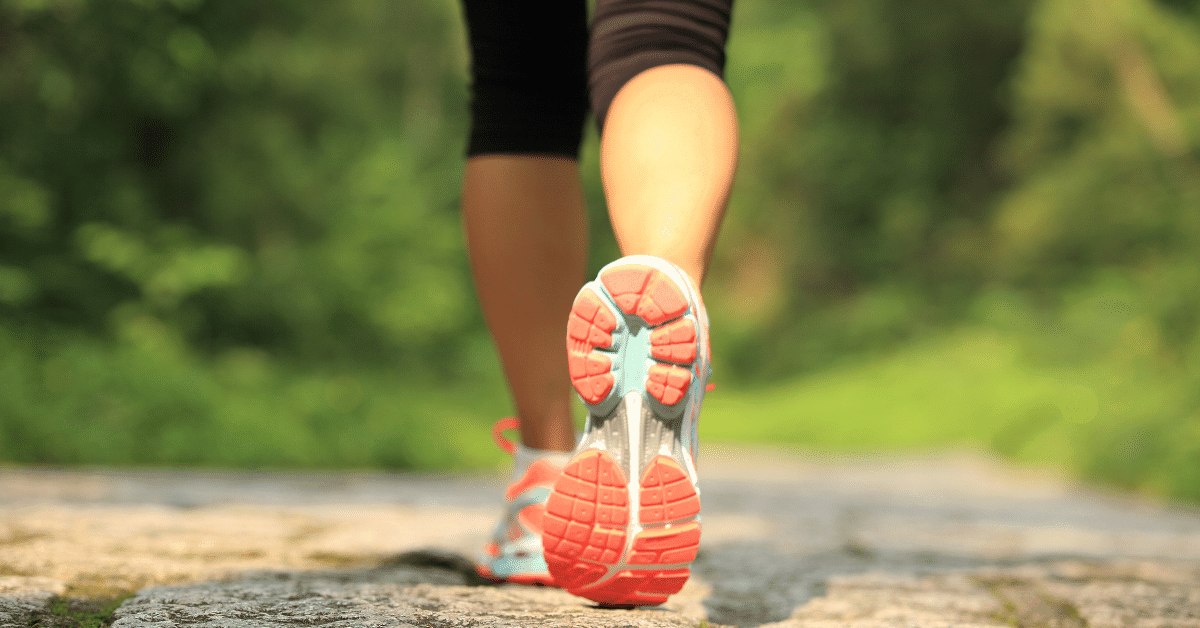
{"type": "Point", "coordinates": [514, 553]}
{"type": "Point", "coordinates": [622, 524]}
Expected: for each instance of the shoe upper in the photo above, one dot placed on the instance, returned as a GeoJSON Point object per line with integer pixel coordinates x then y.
{"type": "Point", "coordinates": [514, 552]}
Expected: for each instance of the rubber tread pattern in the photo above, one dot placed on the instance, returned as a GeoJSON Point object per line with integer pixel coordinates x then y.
{"type": "Point", "coordinates": [666, 494]}
{"type": "Point", "coordinates": [637, 587]}
{"type": "Point", "coordinates": [579, 554]}
{"type": "Point", "coordinates": [668, 384]}
{"type": "Point", "coordinates": [645, 292]}
{"type": "Point", "coordinates": [666, 546]}
{"type": "Point", "coordinates": [590, 326]}
{"type": "Point", "coordinates": [585, 520]}
{"type": "Point", "coordinates": [675, 342]}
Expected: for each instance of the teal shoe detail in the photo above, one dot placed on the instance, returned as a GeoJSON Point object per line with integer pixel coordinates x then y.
{"type": "Point", "coordinates": [514, 553]}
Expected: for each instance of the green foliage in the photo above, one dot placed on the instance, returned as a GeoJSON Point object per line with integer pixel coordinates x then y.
{"type": "Point", "coordinates": [229, 233]}
{"type": "Point", "coordinates": [925, 166]}
{"type": "Point", "coordinates": [215, 217]}
{"type": "Point", "coordinates": [1104, 142]}
{"type": "Point", "coordinates": [270, 175]}
{"type": "Point", "coordinates": [1102, 225]}
{"type": "Point", "coordinates": [1084, 388]}
{"type": "Point", "coordinates": [870, 172]}
{"type": "Point", "coordinates": [147, 399]}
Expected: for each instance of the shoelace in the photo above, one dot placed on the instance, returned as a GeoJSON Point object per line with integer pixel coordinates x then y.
{"type": "Point", "coordinates": [501, 426]}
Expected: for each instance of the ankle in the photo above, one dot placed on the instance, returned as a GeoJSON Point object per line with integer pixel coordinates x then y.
{"type": "Point", "coordinates": [524, 457]}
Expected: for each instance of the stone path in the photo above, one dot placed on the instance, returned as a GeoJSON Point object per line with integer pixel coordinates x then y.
{"type": "Point", "coordinates": [790, 541]}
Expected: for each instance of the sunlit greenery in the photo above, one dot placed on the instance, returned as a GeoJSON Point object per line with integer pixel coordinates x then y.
{"type": "Point", "coordinates": [229, 234]}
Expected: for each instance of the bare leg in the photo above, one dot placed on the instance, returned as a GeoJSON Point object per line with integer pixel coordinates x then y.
{"type": "Point", "coordinates": [527, 238]}
{"type": "Point", "coordinates": [668, 157]}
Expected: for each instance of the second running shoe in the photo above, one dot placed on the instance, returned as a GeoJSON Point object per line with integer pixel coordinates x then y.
{"type": "Point", "coordinates": [622, 523]}
{"type": "Point", "coordinates": [514, 553]}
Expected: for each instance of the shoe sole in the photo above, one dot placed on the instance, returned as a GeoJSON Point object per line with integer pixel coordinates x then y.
{"type": "Point", "coordinates": [528, 579]}
{"type": "Point", "coordinates": [622, 522]}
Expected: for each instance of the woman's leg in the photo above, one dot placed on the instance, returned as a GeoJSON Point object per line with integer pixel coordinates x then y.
{"type": "Point", "coordinates": [527, 239]}
{"type": "Point", "coordinates": [522, 200]}
{"type": "Point", "coordinates": [667, 157]}
{"type": "Point", "coordinates": [669, 129]}
{"type": "Point", "coordinates": [523, 214]}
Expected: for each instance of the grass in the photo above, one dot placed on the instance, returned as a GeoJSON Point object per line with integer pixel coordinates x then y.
{"type": "Point", "coordinates": [1118, 419]}
{"type": "Point", "coordinates": [78, 612]}
{"type": "Point", "coordinates": [970, 386]}
{"type": "Point", "coordinates": [79, 401]}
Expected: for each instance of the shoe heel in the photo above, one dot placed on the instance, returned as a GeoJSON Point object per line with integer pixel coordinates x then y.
{"type": "Point", "coordinates": [649, 294]}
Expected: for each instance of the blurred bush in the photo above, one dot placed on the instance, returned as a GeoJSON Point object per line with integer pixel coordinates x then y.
{"type": "Point", "coordinates": [229, 233]}
{"type": "Point", "coordinates": [211, 214]}
{"type": "Point", "coordinates": [921, 152]}
{"type": "Point", "coordinates": [1030, 168]}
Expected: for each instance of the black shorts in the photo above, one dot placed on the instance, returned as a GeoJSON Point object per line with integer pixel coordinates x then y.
{"type": "Point", "coordinates": [535, 69]}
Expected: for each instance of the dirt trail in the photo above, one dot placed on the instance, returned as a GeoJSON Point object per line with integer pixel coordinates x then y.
{"type": "Point", "coordinates": [790, 540]}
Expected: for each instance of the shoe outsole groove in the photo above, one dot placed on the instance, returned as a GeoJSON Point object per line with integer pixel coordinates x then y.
{"type": "Point", "coordinates": [637, 587]}
{"type": "Point", "coordinates": [666, 546]}
{"type": "Point", "coordinates": [585, 531]}
{"type": "Point", "coordinates": [589, 327]}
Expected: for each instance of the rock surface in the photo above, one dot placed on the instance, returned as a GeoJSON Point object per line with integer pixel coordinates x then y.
{"type": "Point", "coordinates": [789, 540]}
{"type": "Point", "coordinates": [1059, 594]}
{"type": "Point", "coordinates": [376, 597]}
{"type": "Point", "coordinates": [21, 597]}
